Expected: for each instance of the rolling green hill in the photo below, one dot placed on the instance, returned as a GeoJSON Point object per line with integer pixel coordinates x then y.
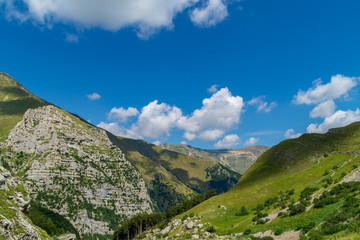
{"type": "Point", "coordinates": [302, 184]}
{"type": "Point", "coordinates": [237, 160]}
{"type": "Point", "coordinates": [172, 176]}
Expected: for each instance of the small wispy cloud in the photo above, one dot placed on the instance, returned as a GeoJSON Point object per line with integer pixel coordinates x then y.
{"type": "Point", "coordinates": [94, 96]}
{"type": "Point", "coordinates": [264, 133]}
{"type": "Point", "coordinates": [213, 88]}
{"type": "Point", "coordinates": [262, 105]}
{"type": "Point", "coordinates": [72, 38]}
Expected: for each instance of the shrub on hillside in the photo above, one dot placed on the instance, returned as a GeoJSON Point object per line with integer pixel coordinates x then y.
{"type": "Point", "coordinates": [247, 231]}
{"type": "Point", "coordinates": [297, 208]}
{"type": "Point", "coordinates": [211, 229]}
{"type": "Point", "coordinates": [243, 212]}
{"type": "Point", "coordinates": [307, 192]}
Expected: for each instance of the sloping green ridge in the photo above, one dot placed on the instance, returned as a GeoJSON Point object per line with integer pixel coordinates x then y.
{"type": "Point", "coordinates": [14, 101]}
{"type": "Point", "coordinates": [238, 160]}
{"type": "Point", "coordinates": [292, 164]}
{"type": "Point", "coordinates": [184, 174]}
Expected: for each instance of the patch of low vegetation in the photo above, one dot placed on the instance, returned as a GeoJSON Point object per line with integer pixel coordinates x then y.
{"type": "Point", "coordinates": [142, 222]}
{"type": "Point", "coordinates": [53, 223]}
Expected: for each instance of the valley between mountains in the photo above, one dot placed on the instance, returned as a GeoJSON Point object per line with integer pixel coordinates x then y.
{"type": "Point", "coordinates": [63, 178]}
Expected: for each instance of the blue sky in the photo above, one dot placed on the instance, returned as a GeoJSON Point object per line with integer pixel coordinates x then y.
{"type": "Point", "coordinates": [161, 60]}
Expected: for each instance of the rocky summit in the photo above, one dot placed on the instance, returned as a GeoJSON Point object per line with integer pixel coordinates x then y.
{"type": "Point", "coordinates": [73, 169]}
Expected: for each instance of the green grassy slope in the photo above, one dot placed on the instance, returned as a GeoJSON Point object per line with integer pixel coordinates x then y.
{"type": "Point", "coordinates": [238, 160]}
{"type": "Point", "coordinates": [14, 101]}
{"type": "Point", "coordinates": [173, 176]}
{"type": "Point", "coordinates": [293, 164]}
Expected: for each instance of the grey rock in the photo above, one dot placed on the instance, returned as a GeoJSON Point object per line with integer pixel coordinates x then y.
{"type": "Point", "coordinates": [189, 225]}
{"type": "Point", "coordinates": [72, 156]}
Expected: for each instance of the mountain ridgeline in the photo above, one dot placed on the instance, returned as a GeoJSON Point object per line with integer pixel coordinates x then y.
{"type": "Point", "coordinates": [238, 160]}
{"type": "Point", "coordinates": [82, 181]}
{"type": "Point", "coordinates": [173, 176]}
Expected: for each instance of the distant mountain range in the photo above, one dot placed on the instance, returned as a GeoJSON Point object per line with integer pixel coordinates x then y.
{"type": "Point", "coordinates": [238, 160]}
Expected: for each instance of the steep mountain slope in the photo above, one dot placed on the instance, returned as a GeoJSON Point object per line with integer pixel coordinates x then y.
{"type": "Point", "coordinates": [299, 184]}
{"type": "Point", "coordinates": [172, 176]}
{"type": "Point", "coordinates": [73, 169]}
{"type": "Point", "coordinates": [237, 160]}
{"type": "Point", "coordinates": [14, 101]}
{"type": "Point", "coordinates": [14, 204]}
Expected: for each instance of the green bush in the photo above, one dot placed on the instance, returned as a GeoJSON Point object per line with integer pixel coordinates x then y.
{"type": "Point", "coordinates": [324, 200]}
{"type": "Point", "coordinates": [307, 192]}
{"type": "Point", "coordinates": [315, 235]}
{"type": "Point", "coordinates": [211, 229]}
{"type": "Point", "coordinates": [247, 231]}
{"type": "Point", "coordinates": [278, 232]}
{"type": "Point", "coordinates": [271, 201]}
{"type": "Point", "coordinates": [297, 208]}
{"type": "Point", "coordinates": [243, 212]}
{"type": "Point", "coordinates": [308, 227]}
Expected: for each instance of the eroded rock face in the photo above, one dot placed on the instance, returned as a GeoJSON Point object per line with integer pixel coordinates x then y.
{"type": "Point", "coordinates": [13, 223]}
{"type": "Point", "coordinates": [76, 171]}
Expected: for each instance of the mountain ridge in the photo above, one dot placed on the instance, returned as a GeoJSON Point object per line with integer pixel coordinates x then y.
{"type": "Point", "coordinates": [238, 159]}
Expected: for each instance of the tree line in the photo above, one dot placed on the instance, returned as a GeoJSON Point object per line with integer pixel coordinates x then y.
{"type": "Point", "coordinates": [142, 222]}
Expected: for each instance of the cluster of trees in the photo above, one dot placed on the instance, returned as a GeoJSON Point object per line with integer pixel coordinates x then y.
{"type": "Point", "coordinates": [143, 222]}
{"type": "Point", "coordinates": [54, 224]}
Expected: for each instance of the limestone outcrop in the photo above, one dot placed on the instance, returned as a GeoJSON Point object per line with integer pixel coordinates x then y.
{"type": "Point", "coordinates": [72, 168]}
{"type": "Point", "coordinates": [14, 202]}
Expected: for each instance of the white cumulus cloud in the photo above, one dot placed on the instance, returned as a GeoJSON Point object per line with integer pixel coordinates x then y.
{"type": "Point", "coordinates": [155, 120]}
{"type": "Point", "coordinates": [338, 119]}
{"type": "Point", "coordinates": [324, 109]}
{"type": "Point", "coordinates": [147, 16]}
{"type": "Point", "coordinates": [261, 104]}
{"type": "Point", "coordinates": [211, 134]}
{"type": "Point", "coordinates": [209, 15]}
{"type": "Point", "coordinates": [122, 114]}
{"type": "Point", "coordinates": [219, 113]}
{"type": "Point", "coordinates": [339, 86]}
{"type": "Point", "coordinates": [94, 96]}
{"type": "Point", "coordinates": [189, 136]}
{"type": "Point", "coordinates": [114, 128]}
{"type": "Point", "coordinates": [228, 141]}
{"type": "Point", "coordinates": [290, 133]}
{"type": "Point", "coordinates": [251, 141]}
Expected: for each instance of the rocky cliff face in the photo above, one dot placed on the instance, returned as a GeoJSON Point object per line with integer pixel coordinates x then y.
{"type": "Point", "coordinates": [74, 169]}
{"type": "Point", "coordinates": [14, 203]}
